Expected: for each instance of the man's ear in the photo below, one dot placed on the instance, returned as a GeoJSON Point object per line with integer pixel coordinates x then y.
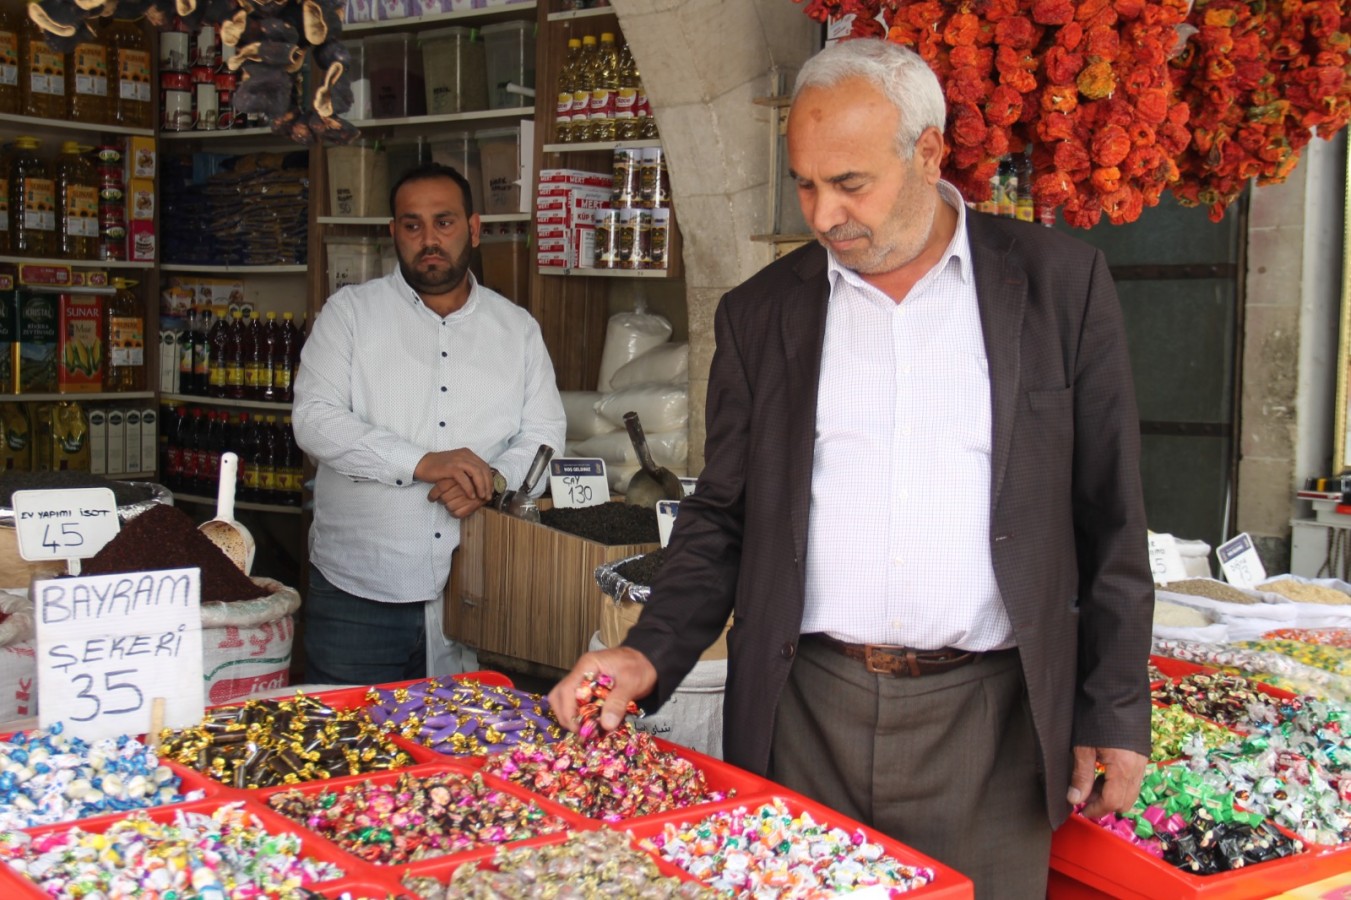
{"type": "Point", "coordinates": [929, 151]}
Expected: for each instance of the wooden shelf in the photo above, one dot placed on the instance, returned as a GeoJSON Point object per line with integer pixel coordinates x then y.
{"type": "Point", "coordinates": [384, 220]}
{"type": "Point", "coordinates": [64, 126]}
{"type": "Point", "coordinates": [228, 133]}
{"type": "Point", "coordinates": [235, 270]}
{"type": "Point", "coordinates": [568, 14]}
{"type": "Point", "coordinates": [585, 146]}
{"type": "Point", "coordinates": [478, 115]}
{"type": "Point", "coordinates": [609, 273]}
{"type": "Point", "coordinates": [198, 400]}
{"type": "Point", "coordinates": [239, 504]}
{"type": "Point", "coordinates": [76, 263]}
{"type": "Point", "coordinates": [499, 13]}
{"type": "Point", "coordinates": [128, 476]}
{"type": "Point", "coordinates": [93, 395]}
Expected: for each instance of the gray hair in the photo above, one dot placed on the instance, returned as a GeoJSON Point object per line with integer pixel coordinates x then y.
{"type": "Point", "coordinates": [902, 76]}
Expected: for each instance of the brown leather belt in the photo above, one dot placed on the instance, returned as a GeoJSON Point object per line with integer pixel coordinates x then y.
{"type": "Point", "coordinates": [886, 659]}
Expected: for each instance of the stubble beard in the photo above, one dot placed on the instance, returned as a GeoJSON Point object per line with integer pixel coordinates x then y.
{"type": "Point", "coordinates": [432, 283]}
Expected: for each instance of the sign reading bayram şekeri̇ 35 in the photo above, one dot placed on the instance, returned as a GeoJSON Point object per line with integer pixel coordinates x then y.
{"type": "Point", "coordinates": [107, 645]}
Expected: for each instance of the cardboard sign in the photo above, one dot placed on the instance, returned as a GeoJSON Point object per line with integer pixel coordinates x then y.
{"type": "Point", "coordinates": [66, 524]}
{"type": "Point", "coordinates": [667, 510]}
{"type": "Point", "coordinates": [108, 645]}
{"type": "Point", "coordinates": [575, 483]}
{"type": "Point", "coordinates": [1165, 560]}
{"type": "Point", "coordinates": [1240, 562]}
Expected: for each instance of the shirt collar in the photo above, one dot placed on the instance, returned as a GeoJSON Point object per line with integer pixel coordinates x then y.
{"type": "Point", "coordinates": [959, 248]}
{"type": "Point", "coordinates": [404, 290]}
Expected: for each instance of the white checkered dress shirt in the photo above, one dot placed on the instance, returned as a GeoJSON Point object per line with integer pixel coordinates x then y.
{"type": "Point", "coordinates": [898, 545]}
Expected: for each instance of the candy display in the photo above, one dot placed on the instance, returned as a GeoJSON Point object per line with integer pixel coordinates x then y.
{"type": "Point", "coordinates": [416, 816]}
{"type": "Point", "coordinates": [591, 696]}
{"type": "Point", "coordinates": [1219, 697]}
{"type": "Point", "coordinates": [592, 863]}
{"type": "Point", "coordinates": [1275, 669]}
{"type": "Point", "coordinates": [1327, 637]}
{"type": "Point", "coordinates": [773, 852]}
{"type": "Point", "coordinates": [616, 776]}
{"type": "Point", "coordinates": [263, 743]}
{"type": "Point", "coordinates": [185, 857]}
{"type": "Point", "coordinates": [1174, 733]}
{"type": "Point", "coordinates": [1336, 660]}
{"type": "Point", "coordinates": [463, 718]}
{"type": "Point", "coordinates": [47, 777]}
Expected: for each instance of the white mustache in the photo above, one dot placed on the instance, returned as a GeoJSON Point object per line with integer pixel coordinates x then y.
{"type": "Point", "coordinates": [847, 232]}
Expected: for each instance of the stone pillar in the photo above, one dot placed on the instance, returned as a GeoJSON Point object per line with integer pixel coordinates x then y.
{"type": "Point", "coordinates": [703, 64]}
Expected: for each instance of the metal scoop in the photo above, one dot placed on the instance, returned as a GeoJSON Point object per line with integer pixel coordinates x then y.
{"type": "Point", "coordinates": [233, 539]}
{"type": "Point", "coordinates": [652, 482]}
{"type": "Point", "coordinates": [519, 503]}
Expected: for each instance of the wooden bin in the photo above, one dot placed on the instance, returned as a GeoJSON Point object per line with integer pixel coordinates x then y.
{"type": "Point", "coordinates": [525, 591]}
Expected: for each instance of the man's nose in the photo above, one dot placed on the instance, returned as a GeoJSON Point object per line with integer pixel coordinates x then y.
{"type": "Point", "coordinates": [822, 211]}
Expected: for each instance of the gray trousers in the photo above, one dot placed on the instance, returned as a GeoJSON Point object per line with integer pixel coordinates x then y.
{"type": "Point", "coordinates": [944, 763]}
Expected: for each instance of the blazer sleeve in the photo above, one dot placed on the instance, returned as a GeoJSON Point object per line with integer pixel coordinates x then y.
{"type": "Point", "coordinates": [1116, 588]}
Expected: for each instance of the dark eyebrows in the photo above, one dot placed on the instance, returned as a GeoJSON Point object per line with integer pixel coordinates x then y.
{"type": "Point", "coordinates": [834, 179]}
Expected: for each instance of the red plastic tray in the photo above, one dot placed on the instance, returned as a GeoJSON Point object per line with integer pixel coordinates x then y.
{"type": "Point", "coordinates": [948, 883]}
{"type": "Point", "coordinates": [1094, 856]}
{"type": "Point", "coordinates": [570, 819]}
{"type": "Point", "coordinates": [491, 679]}
{"type": "Point", "coordinates": [312, 846]}
{"type": "Point", "coordinates": [1176, 668]}
{"type": "Point", "coordinates": [366, 889]}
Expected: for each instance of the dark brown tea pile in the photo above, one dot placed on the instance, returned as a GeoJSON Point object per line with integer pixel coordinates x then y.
{"type": "Point", "coordinates": [164, 537]}
{"type": "Point", "coordinates": [612, 523]}
{"type": "Point", "coordinates": [643, 570]}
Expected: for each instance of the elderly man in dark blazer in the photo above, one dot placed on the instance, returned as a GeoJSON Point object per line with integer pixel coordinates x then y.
{"type": "Point", "coordinates": [921, 503]}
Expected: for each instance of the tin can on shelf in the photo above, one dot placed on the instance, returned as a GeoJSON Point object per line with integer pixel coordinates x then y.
{"type": "Point", "coordinates": [607, 238]}
{"type": "Point", "coordinates": [635, 239]}
{"type": "Point", "coordinates": [175, 101]}
{"type": "Point", "coordinates": [206, 107]}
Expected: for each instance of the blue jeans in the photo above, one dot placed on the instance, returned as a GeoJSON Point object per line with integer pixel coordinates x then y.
{"type": "Point", "coordinates": [352, 640]}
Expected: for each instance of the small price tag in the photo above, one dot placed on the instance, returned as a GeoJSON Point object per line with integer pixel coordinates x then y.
{"type": "Point", "coordinates": [1165, 560]}
{"type": "Point", "coordinates": [1240, 562]}
{"type": "Point", "coordinates": [108, 645]}
{"type": "Point", "coordinates": [688, 484]}
{"type": "Point", "coordinates": [66, 524]}
{"type": "Point", "coordinates": [666, 516]}
{"type": "Point", "coordinates": [578, 482]}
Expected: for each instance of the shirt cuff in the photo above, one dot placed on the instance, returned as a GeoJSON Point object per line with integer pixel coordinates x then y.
{"type": "Point", "coordinates": [401, 466]}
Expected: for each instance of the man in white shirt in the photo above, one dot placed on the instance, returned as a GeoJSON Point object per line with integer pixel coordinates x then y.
{"type": "Point", "coordinates": [419, 394]}
{"type": "Point", "coordinates": [921, 502]}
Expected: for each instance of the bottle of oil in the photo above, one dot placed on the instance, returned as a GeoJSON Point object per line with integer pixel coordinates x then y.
{"type": "Point", "coordinates": [33, 201]}
{"type": "Point", "coordinates": [217, 340]}
{"type": "Point", "coordinates": [627, 125]}
{"type": "Point", "coordinates": [130, 60]}
{"type": "Point", "coordinates": [77, 204]}
{"type": "Point", "coordinates": [567, 79]}
{"type": "Point", "coordinates": [125, 339]}
{"type": "Point", "coordinates": [42, 74]}
{"type": "Point", "coordinates": [9, 61]}
{"type": "Point", "coordinates": [604, 89]}
{"type": "Point", "coordinates": [579, 130]}
{"type": "Point", "coordinates": [647, 125]}
{"type": "Point", "coordinates": [87, 78]}
{"type": "Point", "coordinates": [235, 357]}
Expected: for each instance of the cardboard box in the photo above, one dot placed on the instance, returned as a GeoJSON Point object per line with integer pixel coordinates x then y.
{"type": "Point", "coordinates": [80, 350]}
{"type": "Point", "coordinates": [168, 362]}
{"type": "Point", "coordinates": [98, 441]}
{"type": "Point", "coordinates": [131, 455]}
{"type": "Point", "coordinates": [9, 344]}
{"type": "Point", "coordinates": [44, 274]}
{"type": "Point", "coordinates": [141, 241]}
{"type": "Point", "coordinates": [141, 151]}
{"type": "Point", "coordinates": [149, 441]}
{"type": "Point", "coordinates": [37, 334]}
{"type": "Point", "coordinates": [525, 591]}
{"type": "Point", "coordinates": [117, 441]}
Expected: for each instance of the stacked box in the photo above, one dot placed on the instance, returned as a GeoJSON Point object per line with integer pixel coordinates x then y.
{"type": "Point", "coordinates": [565, 216]}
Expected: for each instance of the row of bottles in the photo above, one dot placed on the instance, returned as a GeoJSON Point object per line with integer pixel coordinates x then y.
{"type": "Point", "coordinates": [70, 208]}
{"type": "Point", "coordinates": [104, 80]}
{"type": "Point", "coordinates": [228, 355]}
{"type": "Point", "coordinates": [1011, 190]}
{"type": "Point", "coordinates": [271, 466]}
{"type": "Point", "coordinates": [601, 95]}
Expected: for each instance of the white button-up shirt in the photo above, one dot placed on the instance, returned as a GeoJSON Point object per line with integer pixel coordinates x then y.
{"type": "Point", "coordinates": [898, 545]}
{"type": "Point", "coordinates": [383, 381]}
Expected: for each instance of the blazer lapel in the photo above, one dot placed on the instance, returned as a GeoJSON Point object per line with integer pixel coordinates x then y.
{"type": "Point", "coordinates": [1001, 291]}
{"type": "Point", "coordinates": [803, 327]}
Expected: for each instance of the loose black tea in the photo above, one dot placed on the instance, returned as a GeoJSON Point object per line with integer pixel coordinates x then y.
{"type": "Point", "coordinates": [610, 523]}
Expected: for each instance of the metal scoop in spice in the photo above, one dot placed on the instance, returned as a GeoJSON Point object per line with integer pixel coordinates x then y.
{"type": "Point", "coordinates": [652, 482]}
{"type": "Point", "coordinates": [519, 503]}
{"type": "Point", "coordinates": [233, 539]}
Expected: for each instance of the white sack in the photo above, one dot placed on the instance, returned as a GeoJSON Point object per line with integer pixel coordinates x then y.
{"type": "Point", "coordinates": [663, 364]}
{"type": "Point", "coordinates": [628, 336]}
{"type": "Point", "coordinates": [660, 407]}
{"type": "Point", "coordinates": [583, 421]}
{"type": "Point", "coordinates": [669, 448]}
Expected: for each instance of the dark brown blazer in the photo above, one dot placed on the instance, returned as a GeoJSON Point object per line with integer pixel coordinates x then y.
{"type": "Point", "coordinates": [1067, 533]}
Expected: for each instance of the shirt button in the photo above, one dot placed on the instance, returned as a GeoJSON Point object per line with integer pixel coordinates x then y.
{"type": "Point", "coordinates": [903, 495]}
{"type": "Point", "coordinates": [443, 388]}
{"type": "Point", "coordinates": [443, 424]}
{"type": "Point", "coordinates": [905, 370]}
{"type": "Point", "coordinates": [398, 481]}
{"type": "Point", "coordinates": [787, 650]}
{"type": "Point", "coordinates": [438, 534]}
{"type": "Point", "coordinates": [897, 561]}
{"type": "Point", "coordinates": [905, 432]}
{"type": "Point", "coordinates": [444, 353]}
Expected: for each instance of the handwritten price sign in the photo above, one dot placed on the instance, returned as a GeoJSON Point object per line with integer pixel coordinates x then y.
{"type": "Point", "coordinates": [108, 644]}
{"type": "Point", "coordinates": [575, 483]}
{"type": "Point", "coordinates": [67, 524]}
{"type": "Point", "coordinates": [1240, 562]}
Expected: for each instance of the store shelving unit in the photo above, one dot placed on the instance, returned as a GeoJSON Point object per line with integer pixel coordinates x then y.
{"type": "Point", "coordinates": [296, 269]}
{"type": "Point", "coordinates": [226, 402]}
{"type": "Point", "coordinates": [201, 500]}
{"type": "Point", "coordinates": [483, 16]}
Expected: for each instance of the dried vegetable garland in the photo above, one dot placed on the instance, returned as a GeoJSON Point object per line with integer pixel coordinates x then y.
{"type": "Point", "coordinates": [1122, 99]}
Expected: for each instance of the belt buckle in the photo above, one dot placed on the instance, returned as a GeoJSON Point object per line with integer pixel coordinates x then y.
{"type": "Point", "coordinates": [872, 652]}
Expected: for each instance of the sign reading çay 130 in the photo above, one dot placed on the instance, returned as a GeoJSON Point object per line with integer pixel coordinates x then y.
{"type": "Point", "coordinates": [107, 645]}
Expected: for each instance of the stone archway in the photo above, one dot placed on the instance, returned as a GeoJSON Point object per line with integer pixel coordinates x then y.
{"type": "Point", "coordinates": [703, 63]}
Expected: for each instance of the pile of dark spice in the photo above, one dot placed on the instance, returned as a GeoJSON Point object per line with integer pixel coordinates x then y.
{"type": "Point", "coordinates": [124, 492]}
{"type": "Point", "coordinates": [164, 537]}
{"type": "Point", "coordinates": [642, 570]}
{"type": "Point", "coordinates": [610, 523]}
